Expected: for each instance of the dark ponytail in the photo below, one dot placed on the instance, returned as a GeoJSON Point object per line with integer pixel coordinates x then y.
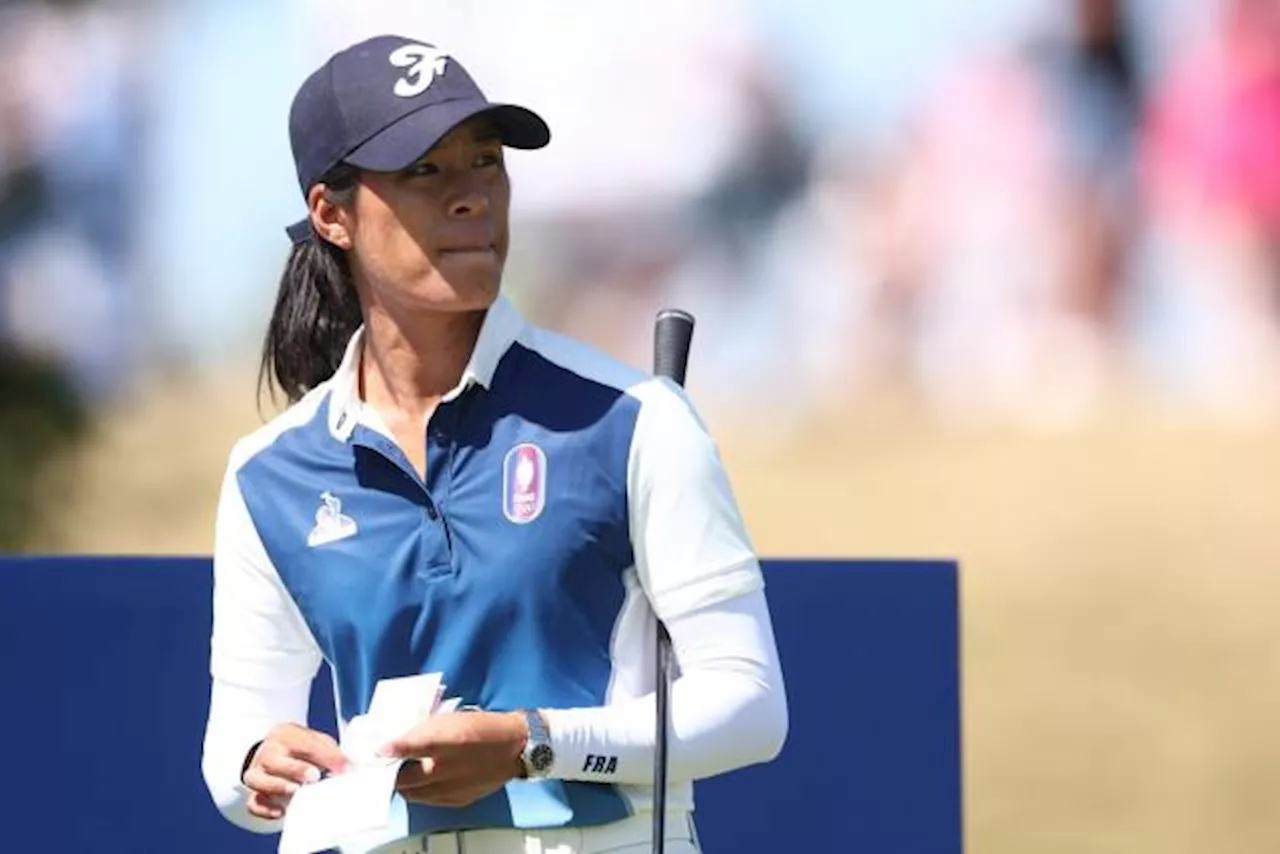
{"type": "Point", "coordinates": [316, 310]}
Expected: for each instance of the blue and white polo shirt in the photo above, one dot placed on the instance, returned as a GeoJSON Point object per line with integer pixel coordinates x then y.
{"type": "Point", "coordinates": [568, 498]}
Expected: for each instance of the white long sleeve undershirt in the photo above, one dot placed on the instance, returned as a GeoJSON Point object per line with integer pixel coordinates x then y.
{"type": "Point", "coordinates": [239, 718]}
{"type": "Point", "coordinates": [728, 706]}
{"type": "Point", "coordinates": [728, 710]}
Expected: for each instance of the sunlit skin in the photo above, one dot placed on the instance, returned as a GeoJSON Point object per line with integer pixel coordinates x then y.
{"type": "Point", "coordinates": [427, 246]}
{"type": "Point", "coordinates": [432, 237]}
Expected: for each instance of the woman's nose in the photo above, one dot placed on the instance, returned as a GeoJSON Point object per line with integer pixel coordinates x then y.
{"type": "Point", "coordinates": [472, 203]}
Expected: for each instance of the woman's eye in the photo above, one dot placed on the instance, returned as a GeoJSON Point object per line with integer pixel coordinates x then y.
{"type": "Point", "coordinates": [422, 169]}
{"type": "Point", "coordinates": [488, 159]}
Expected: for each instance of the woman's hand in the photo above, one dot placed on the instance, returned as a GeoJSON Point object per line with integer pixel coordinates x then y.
{"type": "Point", "coordinates": [288, 757]}
{"type": "Point", "coordinates": [460, 757]}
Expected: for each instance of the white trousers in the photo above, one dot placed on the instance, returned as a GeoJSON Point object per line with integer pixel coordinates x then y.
{"type": "Point", "coordinates": [628, 836]}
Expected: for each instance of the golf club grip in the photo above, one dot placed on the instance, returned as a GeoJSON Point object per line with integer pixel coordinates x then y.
{"type": "Point", "coordinates": [673, 334]}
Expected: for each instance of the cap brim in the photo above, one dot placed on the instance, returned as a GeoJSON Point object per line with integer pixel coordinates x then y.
{"type": "Point", "coordinates": [400, 144]}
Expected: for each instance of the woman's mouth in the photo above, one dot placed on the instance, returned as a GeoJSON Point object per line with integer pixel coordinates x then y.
{"type": "Point", "coordinates": [463, 250]}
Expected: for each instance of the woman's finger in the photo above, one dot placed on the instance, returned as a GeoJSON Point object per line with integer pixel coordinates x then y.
{"type": "Point", "coordinates": [265, 806]}
{"type": "Point", "coordinates": [422, 740]}
{"type": "Point", "coordinates": [318, 749]}
{"type": "Point", "coordinates": [414, 773]}
{"type": "Point", "coordinates": [289, 768]}
{"type": "Point", "coordinates": [263, 783]}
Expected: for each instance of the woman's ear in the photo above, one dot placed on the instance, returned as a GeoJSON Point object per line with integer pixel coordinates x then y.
{"type": "Point", "coordinates": [330, 220]}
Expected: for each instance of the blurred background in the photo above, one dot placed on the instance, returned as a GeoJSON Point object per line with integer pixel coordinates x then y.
{"type": "Point", "coordinates": [986, 279]}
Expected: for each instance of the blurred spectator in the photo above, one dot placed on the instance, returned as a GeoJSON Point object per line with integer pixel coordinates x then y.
{"type": "Point", "coordinates": [1211, 152]}
{"type": "Point", "coordinates": [983, 252]}
{"type": "Point", "coordinates": [69, 149]}
{"type": "Point", "coordinates": [733, 256]}
{"type": "Point", "coordinates": [1006, 222]}
{"type": "Point", "coordinates": [764, 174]}
{"type": "Point", "coordinates": [70, 143]}
{"type": "Point", "coordinates": [1096, 99]}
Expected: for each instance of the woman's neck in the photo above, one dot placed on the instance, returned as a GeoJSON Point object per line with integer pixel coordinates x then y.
{"type": "Point", "coordinates": [407, 366]}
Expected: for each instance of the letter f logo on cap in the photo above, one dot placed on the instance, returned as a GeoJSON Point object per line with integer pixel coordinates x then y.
{"type": "Point", "coordinates": [424, 62]}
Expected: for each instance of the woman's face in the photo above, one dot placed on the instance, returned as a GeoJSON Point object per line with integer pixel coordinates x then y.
{"type": "Point", "coordinates": [435, 235]}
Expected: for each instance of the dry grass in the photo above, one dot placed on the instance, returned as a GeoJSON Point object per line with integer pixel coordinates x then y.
{"type": "Point", "coordinates": [1121, 641]}
{"type": "Point", "coordinates": [1120, 628]}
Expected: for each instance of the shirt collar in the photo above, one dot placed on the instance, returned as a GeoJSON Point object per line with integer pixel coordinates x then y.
{"type": "Point", "coordinates": [502, 325]}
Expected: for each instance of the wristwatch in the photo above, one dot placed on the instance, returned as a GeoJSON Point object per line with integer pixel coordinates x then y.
{"type": "Point", "coordinates": [538, 755]}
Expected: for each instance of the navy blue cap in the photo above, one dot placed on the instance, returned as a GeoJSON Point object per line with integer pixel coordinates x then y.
{"type": "Point", "coordinates": [382, 103]}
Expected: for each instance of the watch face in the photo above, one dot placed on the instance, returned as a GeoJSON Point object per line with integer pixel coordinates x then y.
{"type": "Point", "coordinates": [541, 757]}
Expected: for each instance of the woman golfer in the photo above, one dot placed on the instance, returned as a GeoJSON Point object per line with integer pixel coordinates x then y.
{"type": "Point", "coordinates": [455, 490]}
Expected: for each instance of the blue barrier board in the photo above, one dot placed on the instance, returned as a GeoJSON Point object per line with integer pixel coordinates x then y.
{"type": "Point", "coordinates": [103, 663]}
